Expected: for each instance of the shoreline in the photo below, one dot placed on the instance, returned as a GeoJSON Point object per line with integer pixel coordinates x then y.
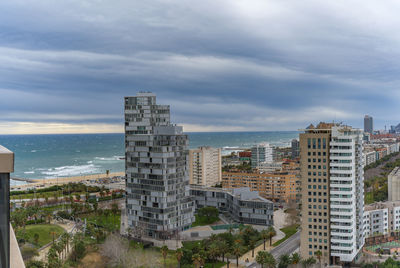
{"type": "Point", "coordinates": [42, 183]}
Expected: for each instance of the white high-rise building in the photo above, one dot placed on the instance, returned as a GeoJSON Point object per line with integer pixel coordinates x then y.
{"type": "Point", "coordinates": [158, 202]}
{"type": "Point", "coordinates": [346, 192]}
{"type": "Point", "coordinates": [205, 166]}
{"type": "Point", "coordinates": [261, 153]}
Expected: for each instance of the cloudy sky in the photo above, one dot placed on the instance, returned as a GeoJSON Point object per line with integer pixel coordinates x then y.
{"type": "Point", "coordinates": [222, 65]}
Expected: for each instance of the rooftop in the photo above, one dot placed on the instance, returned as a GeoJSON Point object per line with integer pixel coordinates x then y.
{"type": "Point", "coordinates": [243, 193]}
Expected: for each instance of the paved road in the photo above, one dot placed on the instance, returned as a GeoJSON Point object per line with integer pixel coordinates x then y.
{"type": "Point", "coordinates": [287, 247]}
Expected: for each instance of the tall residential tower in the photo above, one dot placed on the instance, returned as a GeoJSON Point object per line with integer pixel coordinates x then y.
{"type": "Point", "coordinates": [261, 153]}
{"type": "Point", "coordinates": [158, 201]}
{"type": "Point", "coordinates": [332, 188]}
{"type": "Point", "coordinates": [368, 124]}
{"type": "Point", "coordinates": [205, 166]}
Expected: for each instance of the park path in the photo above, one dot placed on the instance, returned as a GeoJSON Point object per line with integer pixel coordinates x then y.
{"type": "Point", "coordinates": [68, 226]}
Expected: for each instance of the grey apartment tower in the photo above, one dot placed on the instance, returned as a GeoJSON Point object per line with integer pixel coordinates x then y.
{"type": "Point", "coordinates": [158, 200]}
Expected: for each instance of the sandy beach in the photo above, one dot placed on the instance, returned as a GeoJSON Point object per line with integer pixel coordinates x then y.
{"type": "Point", "coordinates": [40, 183]}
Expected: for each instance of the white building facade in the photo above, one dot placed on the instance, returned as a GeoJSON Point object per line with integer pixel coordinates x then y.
{"type": "Point", "coordinates": [346, 192]}
{"type": "Point", "coordinates": [261, 153]}
{"type": "Point", "coordinates": [157, 182]}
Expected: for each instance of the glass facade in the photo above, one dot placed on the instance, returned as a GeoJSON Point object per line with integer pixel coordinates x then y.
{"type": "Point", "coordinates": [4, 220]}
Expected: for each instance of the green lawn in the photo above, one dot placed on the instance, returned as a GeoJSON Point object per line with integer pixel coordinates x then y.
{"type": "Point", "coordinates": [289, 231]}
{"type": "Point", "coordinates": [107, 222]}
{"type": "Point", "coordinates": [43, 230]}
{"type": "Point", "coordinates": [200, 221]}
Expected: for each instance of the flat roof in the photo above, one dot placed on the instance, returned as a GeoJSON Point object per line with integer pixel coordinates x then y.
{"type": "Point", "coordinates": [6, 160]}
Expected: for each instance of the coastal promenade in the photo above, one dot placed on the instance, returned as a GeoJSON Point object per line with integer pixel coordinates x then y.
{"type": "Point", "coordinates": [41, 183]}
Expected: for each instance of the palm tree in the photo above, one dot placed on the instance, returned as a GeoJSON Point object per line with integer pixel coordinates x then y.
{"type": "Point", "coordinates": [284, 261]}
{"type": "Point", "coordinates": [252, 245]}
{"type": "Point", "coordinates": [213, 252]}
{"type": "Point", "coordinates": [318, 253]}
{"type": "Point", "coordinates": [271, 262]}
{"type": "Point", "coordinates": [308, 262]}
{"type": "Point", "coordinates": [264, 235]}
{"type": "Point", "coordinates": [237, 251]}
{"type": "Point", "coordinates": [261, 258]}
{"type": "Point", "coordinates": [271, 233]}
{"type": "Point", "coordinates": [197, 260]}
{"type": "Point", "coordinates": [52, 233]}
{"type": "Point", "coordinates": [164, 252]}
{"type": "Point", "coordinates": [266, 258]}
{"type": "Point", "coordinates": [179, 255]}
{"type": "Point", "coordinates": [224, 249]}
{"type": "Point", "coordinates": [295, 258]}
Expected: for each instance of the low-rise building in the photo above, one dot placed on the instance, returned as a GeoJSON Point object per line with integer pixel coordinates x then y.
{"type": "Point", "coordinates": [242, 205]}
{"type": "Point", "coordinates": [277, 186]}
{"type": "Point", "coordinates": [381, 218]}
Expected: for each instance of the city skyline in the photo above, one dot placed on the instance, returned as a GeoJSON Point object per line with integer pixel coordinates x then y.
{"type": "Point", "coordinates": [66, 67]}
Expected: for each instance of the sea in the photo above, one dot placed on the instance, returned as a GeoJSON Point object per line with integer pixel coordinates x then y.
{"type": "Point", "coordinates": [52, 156]}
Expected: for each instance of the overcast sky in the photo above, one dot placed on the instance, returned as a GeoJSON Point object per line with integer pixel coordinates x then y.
{"type": "Point", "coordinates": [222, 65]}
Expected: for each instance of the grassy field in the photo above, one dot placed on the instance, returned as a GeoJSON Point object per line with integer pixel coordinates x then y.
{"type": "Point", "coordinates": [200, 221]}
{"type": "Point", "coordinates": [44, 232]}
{"type": "Point", "coordinates": [289, 231]}
{"type": "Point", "coordinates": [107, 222]}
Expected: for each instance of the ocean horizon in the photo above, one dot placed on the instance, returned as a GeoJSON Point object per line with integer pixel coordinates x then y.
{"type": "Point", "coordinates": [41, 156]}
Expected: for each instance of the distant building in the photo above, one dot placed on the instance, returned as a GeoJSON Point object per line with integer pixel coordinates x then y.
{"type": "Point", "coordinates": [261, 153]}
{"type": "Point", "coordinates": [332, 192]}
{"type": "Point", "coordinates": [245, 156]}
{"type": "Point", "coordinates": [278, 186]}
{"type": "Point", "coordinates": [295, 148]}
{"type": "Point", "coordinates": [205, 166]}
{"type": "Point", "coordinates": [242, 205]}
{"type": "Point", "coordinates": [368, 124]}
{"type": "Point", "coordinates": [394, 185]}
{"type": "Point", "coordinates": [156, 164]}
{"type": "Point", "coordinates": [381, 218]}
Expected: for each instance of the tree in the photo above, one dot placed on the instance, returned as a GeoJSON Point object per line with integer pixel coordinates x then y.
{"type": "Point", "coordinates": [266, 258]}
{"type": "Point", "coordinates": [252, 245]}
{"type": "Point", "coordinates": [114, 210]}
{"type": "Point", "coordinates": [213, 252]}
{"type": "Point", "coordinates": [271, 233]}
{"type": "Point", "coordinates": [237, 251]}
{"type": "Point", "coordinates": [224, 248]}
{"type": "Point", "coordinates": [208, 212]}
{"type": "Point", "coordinates": [95, 205]}
{"type": "Point", "coordinates": [284, 261]}
{"type": "Point", "coordinates": [35, 264]}
{"type": "Point", "coordinates": [36, 238]}
{"type": "Point", "coordinates": [261, 258]}
{"type": "Point", "coordinates": [179, 255]}
{"type": "Point", "coordinates": [197, 260]}
{"type": "Point", "coordinates": [308, 262]}
{"type": "Point", "coordinates": [318, 253]}
{"type": "Point", "coordinates": [264, 234]}
{"type": "Point", "coordinates": [164, 252]}
{"type": "Point", "coordinates": [52, 233]}
{"type": "Point", "coordinates": [295, 258]}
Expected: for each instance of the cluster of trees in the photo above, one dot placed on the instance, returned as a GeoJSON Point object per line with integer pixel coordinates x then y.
{"type": "Point", "coordinates": [380, 161]}
{"type": "Point", "coordinates": [58, 252]}
{"type": "Point", "coordinates": [265, 259]}
{"type": "Point", "coordinates": [389, 263]}
{"type": "Point", "coordinates": [225, 246]}
{"type": "Point", "coordinates": [245, 166]}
